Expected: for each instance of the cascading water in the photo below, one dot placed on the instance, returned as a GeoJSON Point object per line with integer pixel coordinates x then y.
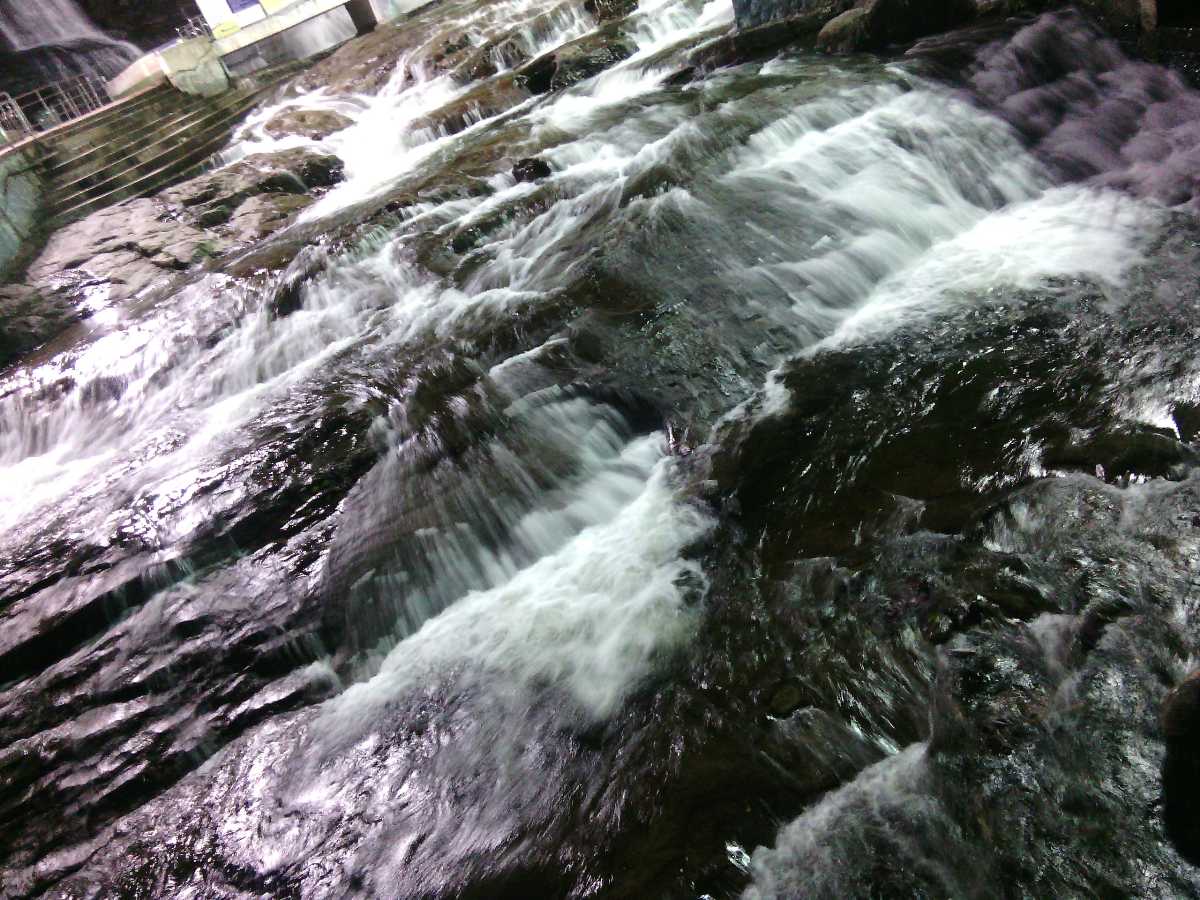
{"type": "Point", "coordinates": [48, 41]}
{"type": "Point", "coordinates": [566, 537]}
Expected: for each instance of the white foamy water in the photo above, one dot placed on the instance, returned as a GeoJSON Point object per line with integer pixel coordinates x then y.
{"type": "Point", "coordinates": [892, 200]}
{"type": "Point", "coordinates": [603, 600]}
{"type": "Point", "coordinates": [886, 811]}
{"type": "Point", "coordinates": [832, 212]}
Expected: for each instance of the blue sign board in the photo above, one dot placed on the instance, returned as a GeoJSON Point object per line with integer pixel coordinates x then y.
{"type": "Point", "coordinates": [240, 5]}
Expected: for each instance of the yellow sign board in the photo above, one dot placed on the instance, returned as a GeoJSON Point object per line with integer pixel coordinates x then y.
{"type": "Point", "coordinates": [226, 28]}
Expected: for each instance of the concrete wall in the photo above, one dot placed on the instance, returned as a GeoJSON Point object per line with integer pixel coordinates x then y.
{"type": "Point", "coordinates": [217, 13]}
{"type": "Point", "coordinates": [290, 17]}
{"type": "Point", "coordinates": [297, 42]}
{"type": "Point", "coordinates": [194, 67]}
{"type": "Point", "coordinates": [144, 73]}
{"type": "Point", "coordinates": [21, 190]}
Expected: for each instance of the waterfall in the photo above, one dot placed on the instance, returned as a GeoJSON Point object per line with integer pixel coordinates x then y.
{"type": "Point", "coordinates": [723, 510]}
{"type": "Point", "coordinates": [55, 39]}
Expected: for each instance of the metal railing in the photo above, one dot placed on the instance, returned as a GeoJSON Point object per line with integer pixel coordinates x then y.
{"type": "Point", "coordinates": [195, 27]}
{"type": "Point", "coordinates": [13, 124]}
{"type": "Point", "coordinates": [51, 105]}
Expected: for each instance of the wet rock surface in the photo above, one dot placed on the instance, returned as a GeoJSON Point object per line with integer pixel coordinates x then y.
{"type": "Point", "coordinates": [361, 66]}
{"type": "Point", "coordinates": [27, 319]}
{"type": "Point", "coordinates": [118, 252]}
{"type": "Point", "coordinates": [310, 123]}
{"type": "Point", "coordinates": [573, 62]}
{"type": "Point", "coordinates": [531, 169]}
{"type": "Point", "coordinates": [783, 458]}
{"type": "Point", "coordinates": [751, 13]}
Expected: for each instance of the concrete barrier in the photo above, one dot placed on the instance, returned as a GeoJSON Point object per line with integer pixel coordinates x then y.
{"type": "Point", "coordinates": [195, 67]}
{"type": "Point", "coordinates": [287, 18]}
{"type": "Point", "coordinates": [144, 73]}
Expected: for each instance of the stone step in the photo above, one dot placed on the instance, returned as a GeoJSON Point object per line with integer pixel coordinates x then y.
{"type": "Point", "coordinates": [148, 178]}
{"type": "Point", "coordinates": [127, 131]}
{"type": "Point", "coordinates": [97, 130]}
{"type": "Point", "coordinates": [101, 166]}
{"type": "Point", "coordinates": [98, 119]}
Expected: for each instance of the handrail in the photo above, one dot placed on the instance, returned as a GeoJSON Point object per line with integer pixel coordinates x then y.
{"type": "Point", "coordinates": [195, 27]}
{"type": "Point", "coordinates": [52, 104]}
{"type": "Point", "coordinates": [12, 119]}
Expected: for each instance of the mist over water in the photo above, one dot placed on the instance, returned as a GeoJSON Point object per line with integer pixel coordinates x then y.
{"type": "Point", "coordinates": [567, 537]}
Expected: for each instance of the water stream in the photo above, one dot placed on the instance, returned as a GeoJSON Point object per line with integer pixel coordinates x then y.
{"type": "Point", "coordinates": [570, 536]}
{"type": "Point", "coordinates": [58, 40]}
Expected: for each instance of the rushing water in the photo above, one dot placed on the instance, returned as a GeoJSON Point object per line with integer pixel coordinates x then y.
{"type": "Point", "coordinates": [59, 40]}
{"type": "Point", "coordinates": [808, 446]}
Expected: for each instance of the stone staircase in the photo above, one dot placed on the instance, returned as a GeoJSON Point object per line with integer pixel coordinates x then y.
{"type": "Point", "coordinates": [137, 148]}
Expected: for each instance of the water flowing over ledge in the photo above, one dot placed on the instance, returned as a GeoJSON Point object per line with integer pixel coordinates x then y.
{"type": "Point", "coordinates": [805, 441]}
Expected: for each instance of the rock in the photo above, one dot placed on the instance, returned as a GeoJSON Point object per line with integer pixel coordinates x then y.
{"type": "Point", "coordinates": [743, 45]}
{"type": "Point", "coordinates": [610, 10]}
{"type": "Point", "coordinates": [262, 215]}
{"type": "Point", "coordinates": [450, 48]}
{"type": "Point", "coordinates": [127, 245]}
{"type": "Point", "coordinates": [1181, 711]}
{"type": "Point", "coordinates": [217, 215]}
{"type": "Point", "coordinates": [786, 698]}
{"type": "Point", "coordinates": [531, 169]}
{"type": "Point", "coordinates": [131, 246]}
{"type": "Point", "coordinates": [1181, 767]}
{"type": "Point", "coordinates": [295, 171]}
{"type": "Point", "coordinates": [287, 295]}
{"type": "Point", "coordinates": [485, 61]}
{"type": "Point", "coordinates": [847, 32]}
{"type": "Point", "coordinates": [323, 171]}
{"type": "Point", "coordinates": [589, 55]}
{"type": "Point", "coordinates": [752, 13]}
{"type": "Point", "coordinates": [28, 319]}
{"type": "Point", "coordinates": [487, 100]}
{"type": "Point", "coordinates": [1119, 452]}
{"type": "Point", "coordinates": [310, 123]}
{"type": "Point", "coordinates": [903, 21]}
{"type": "Point", "coordinates": [875, 24]}
{"type": "Point", "coordinates": [363, 65]}
{"type": "Point", "coordinates": [1187, 420]}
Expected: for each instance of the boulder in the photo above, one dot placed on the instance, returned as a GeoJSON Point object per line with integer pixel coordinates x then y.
{"type": "Point", "coordinates": [903, 21]}
{"type": "Point", "coordinates": [294, 171]}
{"type": "Point", "coordinates": [360, 66]}
{"type": "Point", "coordinates": [876, 24]}
{"type": "Point", "coordinates": [847, 32]}
{"type": "Point", "coordinates": [848, 26]}
{"type": "Point", "coordinates": [133, 245]}
{"type": "Point", "coordinates": [310, 123]}
{"type": "Point", "coordinates": [265, 214]}
{"type": "Point", "coordinates": [752, 13]}
{"type": "Point", "coordinates": [739, 46]}
{"type": "Point", "coordinates": [1181, 766]}
{"type": "Point", "coordinates": [571, 63]}
{"type": "Point", "coordinates": [531, 169]}
{"type": "Point", "coordinates": [486, 60]}
{"type": "Point", "coordinates": [128, 246]}
{"type": "Point", "coordinates": [610, 10]}
{"type": "Point", "coordinates": [28, 319]}
{"type": "Point", "coordinates": [485, 101]}
{"type": "Point", "coordinates": [1181, 711]}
